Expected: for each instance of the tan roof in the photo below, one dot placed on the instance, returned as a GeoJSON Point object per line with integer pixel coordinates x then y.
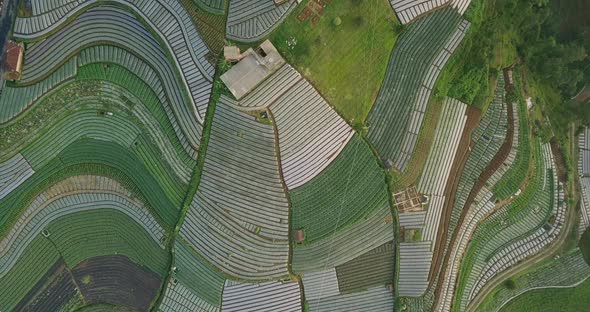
{"type": "Point", "coordinates": [13, 61]}
{"type": "Point", "coordinates": [252, 69]}
{"type": "Point", "coordinates": [299, 235]}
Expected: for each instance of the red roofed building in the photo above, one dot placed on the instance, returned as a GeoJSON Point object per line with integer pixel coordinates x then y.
{"type": "Point", "coordinates": [13, 61]}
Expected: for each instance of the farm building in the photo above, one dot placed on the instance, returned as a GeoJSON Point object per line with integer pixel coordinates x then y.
{"type": "Point", "coordinates": [13, 61]}
{"type": "Point", "coordinates": [252, 69]}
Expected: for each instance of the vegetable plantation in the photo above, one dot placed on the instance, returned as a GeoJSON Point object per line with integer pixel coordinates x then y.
{"type": "Point", "coordinates": [132, 179]}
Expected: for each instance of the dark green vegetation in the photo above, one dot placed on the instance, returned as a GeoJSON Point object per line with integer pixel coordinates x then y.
{"type": "Point", "coordinates": [402, 93]}
{"type": "Point", "coordinates": [513, 178]}
{"type": "Point", "coordinates": [346, 61]}
{"type": "Point", "coordinates": [584, 245]}
{"type": "Point", "coordinates": [549, 37]}
{"type": "Point", "coordinates": [197, 275]}
{"type": "Point", "coordinates": [371, 269]}
{"type": "Point", "coordinates": [77, 237]}
{"type": "Point", "coordinates": [351, 187]}
{"type": "Point", "coordinates": [210, 21]}
{"type": "Point", "coordinates": [104, 232]}
{"type": "Point", "coordinates": [574, 299]}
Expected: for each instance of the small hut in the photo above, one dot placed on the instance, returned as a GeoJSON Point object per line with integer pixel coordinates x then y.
{"type": "Point", "coordinates": [13, 60]}
{"type": "Point", "coordinates": [299, 236]}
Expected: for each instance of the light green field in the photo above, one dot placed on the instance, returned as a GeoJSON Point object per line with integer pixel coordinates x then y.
{"type": "Point", "coordinates": [576, 299]}
{"type": "Point", "coordinates": [347, 62]}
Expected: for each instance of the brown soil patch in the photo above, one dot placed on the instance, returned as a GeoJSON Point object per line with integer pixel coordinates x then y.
{"type": "Point", "coordinates": [473, 117]}
{"type": "Point", "coordinates": [408, 200]}
{"type": "Point", "coordinates": [118, 281]}
{"type": "Point", "coordinates": [314, 9]}
{"type": "Point", "coordinates": [559, 160]}
{"type": "Point", "coordinates": [496, 162]}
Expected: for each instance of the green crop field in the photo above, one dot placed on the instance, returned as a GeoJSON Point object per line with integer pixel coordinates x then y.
{"type": "Point", "coordinates": [103, 232]}
{"type": "Point", "coordinates": [112, 199]}
{"type": "Point", "coordinates": [574, 299]}
{"type": "Point", "coordinates": [345, 54]}
{"type": "Point", "coordinates": [351, 187]}
{"type": "Point", "coordinates": [37, 259]}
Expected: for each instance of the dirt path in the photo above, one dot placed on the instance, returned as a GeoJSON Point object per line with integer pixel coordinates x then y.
{"type": "Point", "coordinates": [492, 167]}
{"type": "Point", "coordinates": [463, 151]}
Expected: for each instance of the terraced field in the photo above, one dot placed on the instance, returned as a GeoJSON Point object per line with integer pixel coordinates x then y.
{"type": "Point", "coordinates": [416, 61]}
{"type": "Point", "coordinates": [349, 189]}
{"type": "Point", "coordinates": [131, 179]}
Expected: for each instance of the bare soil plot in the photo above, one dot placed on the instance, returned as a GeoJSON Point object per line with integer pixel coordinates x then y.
{"type": "Point", "coordinates": [118, 281]}
{"type": "Point", "coordinates": [52, 292]}
{"type": "Point", "coordinates": [408, 200]}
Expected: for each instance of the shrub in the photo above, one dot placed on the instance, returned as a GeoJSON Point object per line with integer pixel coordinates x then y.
{"type": "Point", "coordinates": [585, 245]}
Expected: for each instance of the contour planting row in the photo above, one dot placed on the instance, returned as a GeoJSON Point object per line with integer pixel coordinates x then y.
{"type": "Point", "coordinates": [442, 152]}
{"type": "Point", "coordinates": [212, 6]}
{"type": "Point", "coordinates": [166, 17]}
{"type": "Point", "coordinates": [157, 99]}
{"type": "Point", "coordinates": [584, 175]}
{"type": "Point", "coordinates": [371, 232]}
{"type": "Point", "coordinates": [90, 156]}
{"type": "Point", "coordinates": [194, 286]}
{"type": "Point", "coordinates": [515, 175]}
{"type": "Point", "coordinates": [13, 172]}
{"type": "Point", "coordinates": [238, 220]}
{"type": "Point", "coordinates": [487, 139]}
{"type": "Point", "coordinates": [563, 271]}
{"type": "Point", "coordinates": [269, 296]}
{"type": "Point", "coordinates": [103, 232]}
{"type": "Point", "coordinates": [377, 298]}
{"type": "Point", "coordinates": [103, 25]}
{"type": "Point", "coordinates": [522, 217]}
{"type": "Point", "coordinates": [251, 20]}
{"type": "Point", "coordinates": [88, 117]}
{"type": "Point", "coordinates": [349, 189]}
{"type": "Point", "coordinates": [416, 60]}
{"type": "Point", "coordinates": [90, 121]}
{"type": "Point", "coordinates": [311, 133]}
{"type": "Point", "coordinates": [502, 175]}
{"type": "Point", "coordinates": [534, 242]}
{"type": "Point", "coordinates": [416, 257]}
{"type": "Point", "coordinates": [440, 160]}
{"type": "Point", "coordinates": [144, 104]}
{"type": "Point", "coordinates": [132, 95]}
{"type": "Point", "coordinates": [477, 211]}
{"type": "Point", "coordinates": [408, 10]}
{"type": "Point", "coordinates": [14, 100]}
{"type": "Point", "coordinates": [76, 237]}
{"type": "Point", "coordinates": [45, 210]}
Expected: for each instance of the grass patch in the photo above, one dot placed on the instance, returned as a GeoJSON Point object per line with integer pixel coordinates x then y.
{"type": "Point", "coordinates": [425, 139]}
{"type": "Point", "coordinates": [345, 54]}
{"type": "Point", "coordinates": [552, 299]}
{"type": "Point", "coordinates": [86, 279]}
